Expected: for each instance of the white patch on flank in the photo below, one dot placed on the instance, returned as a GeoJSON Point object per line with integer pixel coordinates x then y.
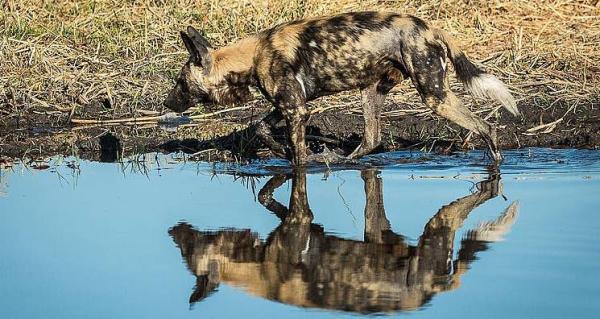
{"type": "Point", "coordinates": [299, 79]}
{"type": "Point", "coordinates": [487, 85]}
{"type": "Point", "coordinates": [312, 44]}
{"type": "Point", "coordinates": [443, 63]}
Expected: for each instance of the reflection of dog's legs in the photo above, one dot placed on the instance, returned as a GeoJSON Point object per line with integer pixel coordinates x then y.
{"type": "Point", "coordinates": [265, 196]}
{"type": "Point", "coordinates": [477, 240]}
{"type": "Point", "coordinates": [436, 243]}
{"type": "Point", "coordinates": [376, 223]}
{"type": "Point", "coordinates": [290, 243]}
{"type": "Point", "coordinates": [372, 102]}
{"type": "Point", "coordinates": [377, 226]}
{"type": "Point", "coordinates": [299, 209]}
{"type": "Point", "coordinates": [451, 216]}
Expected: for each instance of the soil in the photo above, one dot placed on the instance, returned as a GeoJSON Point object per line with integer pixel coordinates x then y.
{"type": "Point", "coordinates": [230, 138]}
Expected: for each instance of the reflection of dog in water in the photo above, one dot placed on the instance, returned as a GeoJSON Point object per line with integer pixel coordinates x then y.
{"type": "Point", "coordinates": [299, 264]}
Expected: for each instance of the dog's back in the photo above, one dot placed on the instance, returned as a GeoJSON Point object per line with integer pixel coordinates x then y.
{"type": "Point", "coordinates": [353, 50]}
{"type": "Point", "coordinates": [346, 51]}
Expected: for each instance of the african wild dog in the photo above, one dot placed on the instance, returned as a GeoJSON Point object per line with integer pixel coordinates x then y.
{"type": "Point", "coordinates": [299, 61]}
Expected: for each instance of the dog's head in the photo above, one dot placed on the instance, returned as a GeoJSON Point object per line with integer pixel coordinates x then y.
{"type": "Point", "coordinates": [191, 86]}
{"type": "Point", "coordinates": [208, 77]}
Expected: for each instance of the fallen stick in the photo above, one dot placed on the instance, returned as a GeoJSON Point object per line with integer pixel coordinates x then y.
{"type": "Point", "coordinates": [323, 109]}
{"type": "Point", "coordinates": [549, 127]}
{"type": "Point", "coordinates": [117, 121]}
{"type": "Point", "coordinates": [165, 118]}
{"type": "Point", "coordinates": [203, 116]}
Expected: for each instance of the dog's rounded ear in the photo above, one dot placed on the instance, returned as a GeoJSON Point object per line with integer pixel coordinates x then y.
{"type": "Point", "coordinates": [195, 44]}
{"type": "Point", "coordinates": [197, 37]}
{"type": "Point", "coordinates": [189, 45]}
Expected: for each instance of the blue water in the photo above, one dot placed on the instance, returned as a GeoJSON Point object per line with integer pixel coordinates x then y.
{"type": "Point", "coordinates": [143, 238]}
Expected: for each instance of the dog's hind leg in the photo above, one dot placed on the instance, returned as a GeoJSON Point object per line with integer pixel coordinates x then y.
{"type": "Point", "coordinates": [372, 102]}
{"type": "Point", "coordinates": [452, 109]}
{"type": "Point", "coordinates": [264, 130]}
{"type": "Point", "coordinates": [428, 73]}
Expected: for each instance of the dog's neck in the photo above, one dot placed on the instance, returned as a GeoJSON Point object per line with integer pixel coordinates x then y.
{"type": "Point", "coordinates": [235, 62]}
{"type": "Point", "coordinates": [231, 73]}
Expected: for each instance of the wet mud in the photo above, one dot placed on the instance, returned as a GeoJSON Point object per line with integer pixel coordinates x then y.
{"type": "Point", "coordinates": [232, 137]}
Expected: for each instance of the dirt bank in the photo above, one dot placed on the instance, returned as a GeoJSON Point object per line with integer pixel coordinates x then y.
{"type": "Point", "coordinates": [228, 135]}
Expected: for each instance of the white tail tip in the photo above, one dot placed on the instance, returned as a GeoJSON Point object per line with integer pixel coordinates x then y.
{"type": "Point", "coordinates": [488, 86]}
{"type": "Point", "coordinates": [496, 230]}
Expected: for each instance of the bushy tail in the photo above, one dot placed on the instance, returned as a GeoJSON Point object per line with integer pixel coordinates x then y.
{"type": "Point", "coordinates": [477, 82]}
{"type": "Point", "coordinates": [496, 230]}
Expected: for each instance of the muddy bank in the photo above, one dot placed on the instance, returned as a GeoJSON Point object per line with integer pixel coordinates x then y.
{"type": "Point", "coordinates": [230, 136]}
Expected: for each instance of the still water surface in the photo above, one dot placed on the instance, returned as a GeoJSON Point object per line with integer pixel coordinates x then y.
{"type": "Point", "coordinates": [412, 236]}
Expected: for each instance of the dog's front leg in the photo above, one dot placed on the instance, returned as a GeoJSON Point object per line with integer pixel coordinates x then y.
{"type": "Point", "coordinates": [289, 98]}
{"type": "Point", "coordinates": [296, 117]}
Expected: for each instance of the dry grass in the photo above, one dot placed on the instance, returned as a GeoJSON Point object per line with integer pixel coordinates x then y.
{"type": "Point", "coordinates": [115, 58]}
